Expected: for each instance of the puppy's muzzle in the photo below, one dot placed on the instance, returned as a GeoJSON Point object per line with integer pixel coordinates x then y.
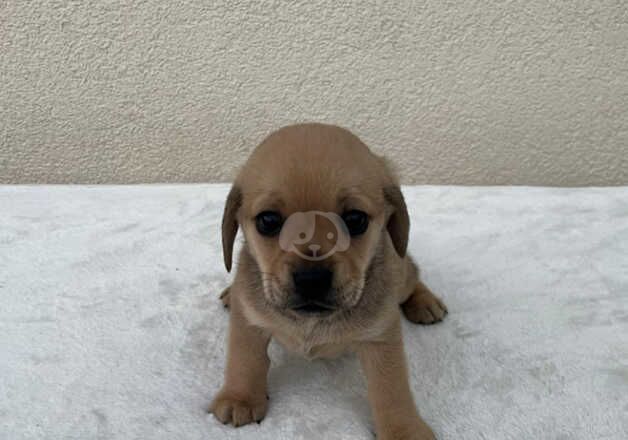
{"type": "Point", "coordinates": [313, 291]}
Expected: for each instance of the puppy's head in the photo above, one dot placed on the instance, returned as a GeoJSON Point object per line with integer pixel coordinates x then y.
{"type": "Point", "coordinates": [315, 206]}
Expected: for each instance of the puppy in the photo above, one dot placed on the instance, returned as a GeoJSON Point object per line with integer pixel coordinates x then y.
{"type": "Point", "coordinates": [323, 270]}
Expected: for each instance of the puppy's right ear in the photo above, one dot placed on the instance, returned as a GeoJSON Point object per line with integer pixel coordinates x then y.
{"type": "Point", "coordinates": [230, 224]}
{"type": "Point", "coordinates": [399, 222]}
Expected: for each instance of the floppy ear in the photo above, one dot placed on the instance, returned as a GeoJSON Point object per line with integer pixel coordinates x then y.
{"type": "Point", "coordinates": [398, 223]}
{"type": "Point", "coordinates": [230, 224]}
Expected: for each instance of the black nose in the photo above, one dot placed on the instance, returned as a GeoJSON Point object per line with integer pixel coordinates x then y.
{"type": "Point", "coordinates": [312, 284]}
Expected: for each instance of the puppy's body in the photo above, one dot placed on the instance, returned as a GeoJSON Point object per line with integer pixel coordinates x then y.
{"type": "Point", "coordinates": [314, 167]}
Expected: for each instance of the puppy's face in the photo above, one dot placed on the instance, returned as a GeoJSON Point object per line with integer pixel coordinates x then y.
{"type": "Point", "coordinates": [314, 205]}
{"type": "Point", "coordinates": [313, 257]}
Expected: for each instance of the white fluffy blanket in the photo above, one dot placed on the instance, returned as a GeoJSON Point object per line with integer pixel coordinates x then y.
{"type": "Point", "coordinates": [111, 328]}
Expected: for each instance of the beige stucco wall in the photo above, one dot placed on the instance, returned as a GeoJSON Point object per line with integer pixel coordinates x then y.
{"type": "Point", "coordinates": [460, 92]}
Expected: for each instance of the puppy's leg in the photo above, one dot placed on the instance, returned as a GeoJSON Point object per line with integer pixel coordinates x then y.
{"type": "Point", "coordinates": [423, 307]}
{"type": "Point", "coordinates": [243, 397]}
{"type": "Point", "coordinates": [392, 405]}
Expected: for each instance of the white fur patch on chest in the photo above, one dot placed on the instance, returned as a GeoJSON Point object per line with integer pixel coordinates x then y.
{"type": "Point", "coordinates": [309, 342]}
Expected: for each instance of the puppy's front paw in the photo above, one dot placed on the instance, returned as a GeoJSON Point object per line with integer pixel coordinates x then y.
{"type": "Point", "coordinates": [418, 430]}
{"type": "Point", "coordinates": [225, 297]}
{"type": "Point", "coordinates": [238, 410]}
{"type": "Point", "coordinates": [423, 307]}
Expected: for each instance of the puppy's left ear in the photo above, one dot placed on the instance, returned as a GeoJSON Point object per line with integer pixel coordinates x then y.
{"type": "Point", "coordinates": [230, 224]}
{"type": "Point", "coordinates": [398, 223]}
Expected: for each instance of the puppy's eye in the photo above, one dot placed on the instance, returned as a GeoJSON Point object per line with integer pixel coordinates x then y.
{"type": "Point", "coordinates": [356, 221]}
{"type": "Point", "coordinates": [268, 223]}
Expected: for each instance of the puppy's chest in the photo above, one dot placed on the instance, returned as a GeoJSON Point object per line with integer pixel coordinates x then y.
{"type": "Point", "coordinates": [310, 346]}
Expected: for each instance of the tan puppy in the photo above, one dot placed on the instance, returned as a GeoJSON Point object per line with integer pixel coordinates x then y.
{"type": "Point", "coordinates": [323, 270]}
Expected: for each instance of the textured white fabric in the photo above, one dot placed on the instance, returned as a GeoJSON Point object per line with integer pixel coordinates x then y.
{"type": "Point", "coordinates": [111, 328]}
